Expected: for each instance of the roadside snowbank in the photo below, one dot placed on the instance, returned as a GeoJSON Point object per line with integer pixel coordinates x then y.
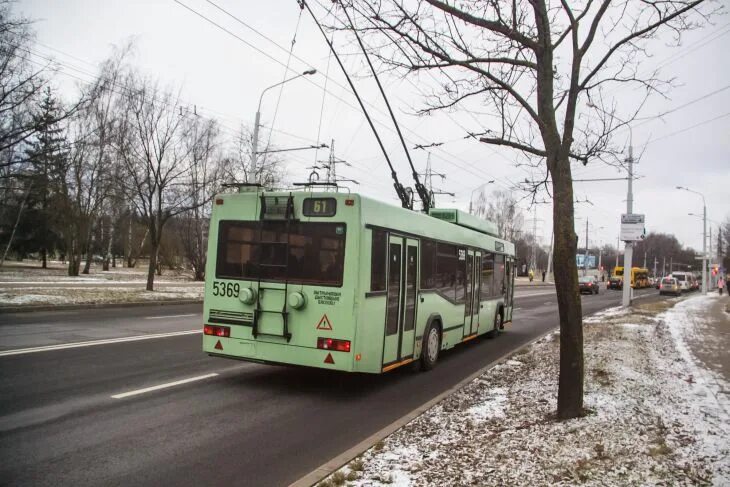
{"type": "Point", "coordinates": [651, 417]}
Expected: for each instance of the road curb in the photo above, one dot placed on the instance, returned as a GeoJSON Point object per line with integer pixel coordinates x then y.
{"type": "Point", "coordinates": [67, 307]}
{"type": "Point", "coordinates": [337, 462]}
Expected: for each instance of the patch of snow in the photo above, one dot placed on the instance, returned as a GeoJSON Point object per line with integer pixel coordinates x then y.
{"type": "Point", "coordinates": [492, 406]}
{"type": "Point", "coordinates": [652, 417]}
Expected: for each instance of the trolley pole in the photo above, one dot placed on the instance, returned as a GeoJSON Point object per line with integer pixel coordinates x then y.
{"type": "Point", "coordinates": [628, 246]}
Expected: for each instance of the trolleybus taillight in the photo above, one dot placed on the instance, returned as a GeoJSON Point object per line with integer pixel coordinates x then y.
{"type": "Point", "coordinates": [333, 344]}
{"type": "Point", "coordinates": [219, 331]}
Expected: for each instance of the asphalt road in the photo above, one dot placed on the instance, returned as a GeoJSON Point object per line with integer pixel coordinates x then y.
{"type": "Point", "coordinates": [248, 425]}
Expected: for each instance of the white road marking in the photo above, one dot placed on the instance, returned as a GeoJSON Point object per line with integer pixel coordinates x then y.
{"type": "Point", "coordinates": [63, 346]}
{"type": "Point", "coordinates": [163, 386]}
{"type": "Point", "coordinates": [170, 316]}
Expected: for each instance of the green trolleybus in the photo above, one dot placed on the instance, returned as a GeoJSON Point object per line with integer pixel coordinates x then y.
{"type": "Point", "coordinates": [344, 282]}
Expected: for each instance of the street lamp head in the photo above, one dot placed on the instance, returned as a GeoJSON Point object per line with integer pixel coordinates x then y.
{"type": "Point", "coordinates": [309, 71]}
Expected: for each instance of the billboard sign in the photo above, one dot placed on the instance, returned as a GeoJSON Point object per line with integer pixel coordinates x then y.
{"type": "Point", "coordinates": [632, 227]}
{"type": "Point", "coordinates": [580, 261]}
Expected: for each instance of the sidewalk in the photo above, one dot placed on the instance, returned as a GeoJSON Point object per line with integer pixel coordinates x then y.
{"type": "Point", "coordinates": [653, 415]}
{"type": "Point", "coordinates": [703, 326]}
{"type": "Point", "coordinates": [525, 281]}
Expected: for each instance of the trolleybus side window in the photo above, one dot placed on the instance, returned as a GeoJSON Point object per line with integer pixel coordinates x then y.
{"type": "Point", "coordinates": [428, 264]}
{"type": "Point", "coordinates": [446, 268]}
{"type": "Point", "coordinates": [316, 251]}
{"type": "Point", "coordinates": [378, 260]}
{"type": "Point", "coordinates": [487, 276]}
{"type": "Point", "coordinates": [499, 285]}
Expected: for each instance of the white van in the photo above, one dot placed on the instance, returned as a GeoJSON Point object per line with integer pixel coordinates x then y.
{"type": "Point", "coordinates": [684, 279]}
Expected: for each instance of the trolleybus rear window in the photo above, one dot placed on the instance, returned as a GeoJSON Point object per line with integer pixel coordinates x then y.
{"type": "Point", "coordinates": [316, 251]}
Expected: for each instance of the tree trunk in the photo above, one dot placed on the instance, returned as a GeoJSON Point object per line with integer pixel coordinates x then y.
{"type": "Point", "coordinates": [570, 386]}
{"type": "Point", "coordinates": [89, 241]}
{"type": "Point", "coordinates": [73, 258]}
{"type": "Point", "coordinates": [154, 253]}
{"type": "Point", "coordinates": [153, 266]}
{"type": "Point", "coordinates": [132, 259]}
{"type": "Point", "coordinates": [108, 256]}
{"type": "Point", "coordinates": [15, 227]}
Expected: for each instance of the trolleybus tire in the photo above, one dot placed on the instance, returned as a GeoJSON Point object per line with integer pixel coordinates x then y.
{"type": "Point", "coordinates": [431, 346]}
{"type": "Point", "coordinates": [497, 325]}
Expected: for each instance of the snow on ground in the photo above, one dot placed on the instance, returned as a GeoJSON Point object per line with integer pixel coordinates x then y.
{"type": "Point", "coordinates": [57, 272]}
{"type": "Point", "coordinates": [36, 296]}
{"type": "Point", "coordinates": [26, 284]}
{"type": "Point", "coordinates": [651, 417]}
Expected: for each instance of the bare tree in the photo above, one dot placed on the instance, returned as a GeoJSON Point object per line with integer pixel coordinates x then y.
{"type": "Point", "coordinates": [93, 163]}
{"type": "Point", "coordinates": [205, 179]}
{"type": "Point", "coordinates": [501, 208]}
{"type": "Point", "coordinates": [20, 83]}
{"type": "Point", "coordinates": [532, 63]}
{"type": "Point", "coordinates": [158, 164]}
{"type": "Point", "coordinates": [269, 168]}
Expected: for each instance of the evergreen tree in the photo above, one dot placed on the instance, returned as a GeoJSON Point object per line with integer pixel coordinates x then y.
{"type": "Point", "coordinates": [46, 155]}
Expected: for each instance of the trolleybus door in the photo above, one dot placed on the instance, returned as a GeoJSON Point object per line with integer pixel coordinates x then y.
{"type": "Point", "coordinates": [400, 312]}
{"type": "Point", "coordinates": [509, 280]}
{"type": "Point", "coordinates": [473, 290]}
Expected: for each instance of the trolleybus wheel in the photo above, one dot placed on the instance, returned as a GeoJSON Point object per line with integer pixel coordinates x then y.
{"type": "Point", "coordinates": [431, 347]}
{"type": "Point", "coordinates": [497, 325]}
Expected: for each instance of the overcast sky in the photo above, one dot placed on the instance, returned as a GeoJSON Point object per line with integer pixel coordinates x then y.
{"type": "Point", "coordinates": [224, 76]}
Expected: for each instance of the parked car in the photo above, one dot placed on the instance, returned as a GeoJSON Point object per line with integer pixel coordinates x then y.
{"type": "Point", "coordinates": [588, 284]}
{"type": "Point", "coordinates": [670, 285]}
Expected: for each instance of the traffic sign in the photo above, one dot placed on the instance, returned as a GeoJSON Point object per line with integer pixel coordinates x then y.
{"type": "Point", "coordinates": [632, 227]}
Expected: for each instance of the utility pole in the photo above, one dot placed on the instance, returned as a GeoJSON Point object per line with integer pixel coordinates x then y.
{"type": "Point", "coordinates": [550, 256]}
{"type": "Point", "coordinates": [533, 260]}
{"type": "Point", "coordinates": [628, 246]}
{"type": "Point", "coordinates": [664, 266]}
{"type": "Point", "coordinates": [704, 237]}
{"type": "Point", "coordinates": [618, 247]}
{"type": "Point", "coordinates": [644, 266]}
{"type": "Point", "coordinates": [585, 256]}
{"type": "Point", "coordinates": [428, 183]}
{"type": "Point", "coordinates": [655, 261]}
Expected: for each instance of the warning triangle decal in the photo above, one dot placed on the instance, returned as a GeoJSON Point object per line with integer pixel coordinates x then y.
{"type": "Point", "coordinates": [218, 346]}
{"type": "Point", "coordinates": [329, 359]}
{"type": "Point", "coordinates": [324, 323]}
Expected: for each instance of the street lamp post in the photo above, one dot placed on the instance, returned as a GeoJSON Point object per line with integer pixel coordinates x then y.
{"type": "Point", "coordinates": [257, 121]}
{"type": "Point", "coordinates": [471, 197]}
